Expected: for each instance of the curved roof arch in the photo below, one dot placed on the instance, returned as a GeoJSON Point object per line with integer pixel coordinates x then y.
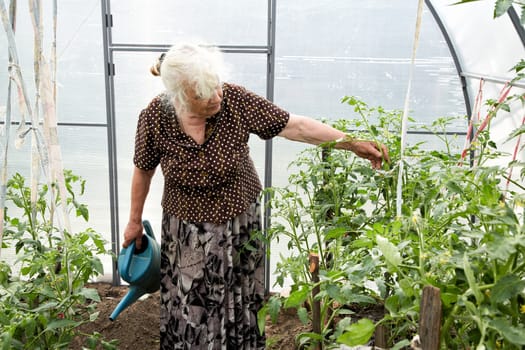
{"type": "Point", "coordinates": [482, 46]}
{"type": "Point", "coordinates": [485, 49]}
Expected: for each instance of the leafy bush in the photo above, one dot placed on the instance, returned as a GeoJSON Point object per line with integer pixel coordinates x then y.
{"type": "Point", "coordinates": [460, 230]}
{"type": "Point", "coordinates": [43, 303]}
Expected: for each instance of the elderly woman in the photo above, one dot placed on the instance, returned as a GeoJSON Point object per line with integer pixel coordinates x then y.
{"type": "Point", "coordinates": [198, 130]}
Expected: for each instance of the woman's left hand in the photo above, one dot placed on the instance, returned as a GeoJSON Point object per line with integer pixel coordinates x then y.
{"type": "Point", "coordinates": [305, 129]}
{"type": "Point", "coordinates": [375, 152]}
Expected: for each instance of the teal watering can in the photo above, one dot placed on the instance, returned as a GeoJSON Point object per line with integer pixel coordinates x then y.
{"type": "Point", "coordinates": [141, 269]}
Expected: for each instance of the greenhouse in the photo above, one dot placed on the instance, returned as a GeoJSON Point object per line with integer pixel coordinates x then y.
{"type": "Point", "coordinates": [424, 251]}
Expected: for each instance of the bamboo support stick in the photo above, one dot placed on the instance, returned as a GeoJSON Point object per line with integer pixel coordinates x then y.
{"type": "Point", "coordinates": [35, 14]}
{"type": "Point", "coordinates": [7, 132]}
{"type": "Point", "coordinates": [46, 155]}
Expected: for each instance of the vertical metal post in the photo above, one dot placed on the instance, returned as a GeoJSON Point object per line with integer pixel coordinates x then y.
{"type": "Point", "coordinates": [109, 72]}
{"type": "Point", "coordinates": [270, 79]}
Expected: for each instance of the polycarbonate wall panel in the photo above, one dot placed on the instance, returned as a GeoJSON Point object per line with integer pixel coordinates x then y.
{"type": "Point", "coordinates": [134, 88]}
{"type": "Point", "coordinates": [80, 69]}
{"type": "Point", "coordinates": [485, 45]}
{"type": "Point", "coordinates": [232, 22]}
{"type": "Point", "coordinates": [328, 49]}
{"type": "Point", "coordinates": [80, 74]}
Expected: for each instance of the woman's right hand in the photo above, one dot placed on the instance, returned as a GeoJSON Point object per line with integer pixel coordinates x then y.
{"type": "Point", "coordinates": [133, 232]}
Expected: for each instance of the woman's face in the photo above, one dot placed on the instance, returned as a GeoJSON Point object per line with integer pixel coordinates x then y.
{"type": "Point", "coordinates": [204, 107]}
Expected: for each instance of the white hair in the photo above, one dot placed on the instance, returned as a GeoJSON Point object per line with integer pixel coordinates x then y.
{"type": "Point", "coordinates": [190, 65]}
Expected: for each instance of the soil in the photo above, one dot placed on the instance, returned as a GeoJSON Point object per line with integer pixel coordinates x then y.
{"type": "Point", "coordinates": [137, 327]}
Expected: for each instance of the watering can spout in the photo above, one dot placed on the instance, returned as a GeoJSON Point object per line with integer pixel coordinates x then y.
{"type": "Point", "coordinates": [141, 269]}
{"type": "Point", "coordinates": [132, 296]}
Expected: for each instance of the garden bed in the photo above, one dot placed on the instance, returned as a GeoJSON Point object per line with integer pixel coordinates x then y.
{"type": "Point", "coordinates": [137, 327]}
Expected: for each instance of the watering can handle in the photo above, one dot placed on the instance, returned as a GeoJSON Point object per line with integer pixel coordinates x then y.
{"type": "Point", "coordinates": [131, 249]}
{"type": "Point", "coordinates": [127, 261]}
{"type": "Point", "coordinates": [148, 229]}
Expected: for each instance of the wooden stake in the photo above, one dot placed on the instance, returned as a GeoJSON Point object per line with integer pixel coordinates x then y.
{"type": "Point", "coordinates": [381, 336]}
{"type": "Point", "coordinates": [430, 318]}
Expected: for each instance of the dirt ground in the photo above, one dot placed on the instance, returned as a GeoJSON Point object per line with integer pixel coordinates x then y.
{"type": "Point", "coordinates": [137, 327]}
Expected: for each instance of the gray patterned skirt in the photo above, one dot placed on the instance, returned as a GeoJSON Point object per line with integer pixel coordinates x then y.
{"type": "Point", "coordinates": [212, 284]}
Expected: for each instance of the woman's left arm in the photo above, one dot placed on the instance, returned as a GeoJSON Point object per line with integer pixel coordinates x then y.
{"type": "Point", "coordinates": [308, 130]}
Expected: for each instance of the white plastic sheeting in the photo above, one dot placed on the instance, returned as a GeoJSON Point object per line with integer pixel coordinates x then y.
{"type": "Point", "coordinates": [486, 47]}
{"type": "Point", "coordinates": [324, 48]}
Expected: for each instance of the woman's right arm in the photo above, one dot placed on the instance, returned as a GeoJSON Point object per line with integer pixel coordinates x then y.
{"type": "Point", "coordinates": [140, 184]}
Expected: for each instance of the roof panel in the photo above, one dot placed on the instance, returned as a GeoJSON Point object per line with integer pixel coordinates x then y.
{"type": "Point", "coordinates": [484, 45]}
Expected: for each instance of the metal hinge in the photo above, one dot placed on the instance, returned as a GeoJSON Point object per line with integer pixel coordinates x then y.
{"type": "Point", "coordinates": [109, 20]}
{"type": "Point", "coordinates": [111, 69]}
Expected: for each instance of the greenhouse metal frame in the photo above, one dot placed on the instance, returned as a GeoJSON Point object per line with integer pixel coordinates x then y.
{"type": "Point", "coordinates": [437, 8]}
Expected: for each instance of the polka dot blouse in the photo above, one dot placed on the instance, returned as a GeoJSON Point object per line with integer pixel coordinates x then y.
{"type": "Point", "coordinates": [217, 180]}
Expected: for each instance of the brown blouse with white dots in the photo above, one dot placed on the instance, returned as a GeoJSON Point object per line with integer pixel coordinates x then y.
{"type": "Point", "coordinates": [215, 181]}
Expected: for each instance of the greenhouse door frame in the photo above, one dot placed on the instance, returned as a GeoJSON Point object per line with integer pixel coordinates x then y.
{"type": "Point", "coordinates": [110, 48]}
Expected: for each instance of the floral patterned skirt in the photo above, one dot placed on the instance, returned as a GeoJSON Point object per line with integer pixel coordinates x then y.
{"type": "Point", "coordinates": [212, 283]}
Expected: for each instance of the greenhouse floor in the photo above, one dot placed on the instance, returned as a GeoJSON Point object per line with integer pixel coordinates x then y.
{"type": "Point", "coordinates": [137, 327]}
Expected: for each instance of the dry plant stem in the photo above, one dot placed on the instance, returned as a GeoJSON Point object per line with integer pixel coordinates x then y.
{"type": "Point", "coordinates": [313, 260]}
{"type": "Point", "coordinates": [3, 171]}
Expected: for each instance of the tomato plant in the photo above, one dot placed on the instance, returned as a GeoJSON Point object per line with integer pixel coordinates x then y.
{"type": "Point", "coordinates": [44, 299]}
{"type": "Point", "coordinates": [460, 230]}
